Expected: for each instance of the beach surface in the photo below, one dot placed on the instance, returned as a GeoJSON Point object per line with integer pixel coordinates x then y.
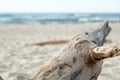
{"type": "Point", "coordinates": [20, 59]}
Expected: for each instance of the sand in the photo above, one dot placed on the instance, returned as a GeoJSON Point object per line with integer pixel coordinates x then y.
{"type": "Point", "coordinates": [19, 60]}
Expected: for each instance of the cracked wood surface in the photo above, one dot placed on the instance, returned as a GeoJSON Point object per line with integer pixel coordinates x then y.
{"type": "Point", "coordinates": [80, 59]}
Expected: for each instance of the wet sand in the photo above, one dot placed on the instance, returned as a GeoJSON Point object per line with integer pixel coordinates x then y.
{"type": "Point", "coordinates": [19, 60]}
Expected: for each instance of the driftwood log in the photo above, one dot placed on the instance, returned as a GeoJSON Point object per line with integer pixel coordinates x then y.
{"type": "Point", "coordinates": [81, 59]}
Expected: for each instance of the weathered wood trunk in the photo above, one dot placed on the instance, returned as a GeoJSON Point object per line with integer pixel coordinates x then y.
{"type": "Point", "coordinates": [80, 59]}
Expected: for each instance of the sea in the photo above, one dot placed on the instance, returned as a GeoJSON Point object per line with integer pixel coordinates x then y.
{"type": "Point", "coordinates": [55, 18]}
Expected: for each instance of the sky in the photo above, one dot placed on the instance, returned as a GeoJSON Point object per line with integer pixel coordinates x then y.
{"type": "Point", "coordinates": [59, 6]}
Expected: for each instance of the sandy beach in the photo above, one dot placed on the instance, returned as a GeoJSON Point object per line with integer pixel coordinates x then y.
{"type": "Point", "coordinates": [19, 60]}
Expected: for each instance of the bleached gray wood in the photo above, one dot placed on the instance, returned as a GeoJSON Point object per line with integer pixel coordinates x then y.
{"type": "Point", "coordinates": [78, 60]}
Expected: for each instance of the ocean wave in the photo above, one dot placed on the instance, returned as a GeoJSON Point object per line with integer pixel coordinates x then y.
{"type": "Point", "coordinates": [56, 18]}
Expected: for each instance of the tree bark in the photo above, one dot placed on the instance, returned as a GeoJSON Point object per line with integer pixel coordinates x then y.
{"type": "Point", "coordinates": [81, 59]}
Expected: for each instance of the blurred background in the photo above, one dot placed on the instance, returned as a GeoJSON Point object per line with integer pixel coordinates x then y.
{"type": "Point", "coordinates": [25, 23]}
{"type": "Point", "coordinates": [58, 11]}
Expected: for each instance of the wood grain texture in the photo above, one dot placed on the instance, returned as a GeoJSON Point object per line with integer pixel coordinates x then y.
{"type": "Point", "coordinates": [80, 59]}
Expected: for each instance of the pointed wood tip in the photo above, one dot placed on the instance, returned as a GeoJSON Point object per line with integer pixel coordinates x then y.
{"type": "Point", "coordinates": [106, 28]}
{"type": "Point", "coordinates": [105, 23]}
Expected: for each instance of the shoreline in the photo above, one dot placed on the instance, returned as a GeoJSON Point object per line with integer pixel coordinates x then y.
{"type": "Point", "coordinates": [52, 23]}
